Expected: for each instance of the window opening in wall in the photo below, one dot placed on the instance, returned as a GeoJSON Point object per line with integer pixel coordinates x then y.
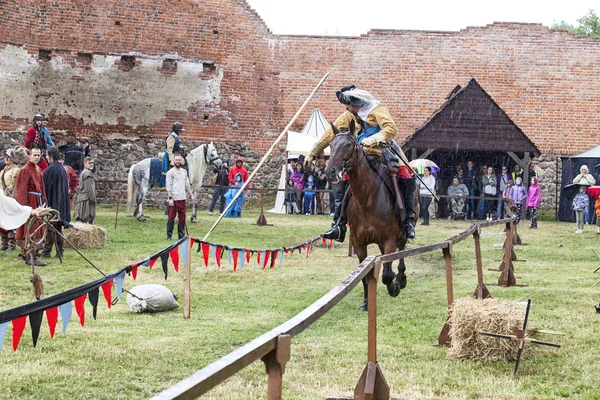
{"type": "Point", "coordinates": [44, 55]}
{"type": "Point", "coordinates": [208, 66]}
{"type": "Point", "coordinates": [169, 63]}
{"type": "Point", "coordinates": [84, 58]}
{"type": "Point", "coordinates": [128, 61]}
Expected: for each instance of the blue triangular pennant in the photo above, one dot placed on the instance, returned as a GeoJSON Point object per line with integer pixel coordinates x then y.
{"type": "Point", "coordinates": [242, 258]}
{"type": "Point", "coordinates": [280, 257]}
{"type": "Point", "coordinates": [3, 333]}
{"type": "Point", "coordinates": [145, 263]}
{"type": "Point", "coordinates": [184, 250]}
{"type": "Point", "coordinates": [230, 254]}
{"type": "Point", "coordinates": [65, 314]}
{"type": "Point", "coordinates": [213, 251]}
{"type": "Point", "coordinates": [119, 282]}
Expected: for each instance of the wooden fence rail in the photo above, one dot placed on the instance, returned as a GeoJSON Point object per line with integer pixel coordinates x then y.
{"type": "Point", "coordinates": [274, 347]}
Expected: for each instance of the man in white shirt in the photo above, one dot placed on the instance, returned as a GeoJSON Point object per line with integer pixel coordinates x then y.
{"type": "Point", "coordinates": [177, 185]}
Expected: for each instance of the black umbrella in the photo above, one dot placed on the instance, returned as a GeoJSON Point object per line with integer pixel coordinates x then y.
{"type": "Point", "coordinates": [571, 190]}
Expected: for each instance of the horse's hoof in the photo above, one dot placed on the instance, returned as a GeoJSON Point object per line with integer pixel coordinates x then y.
{"type": "Point", "coordinates": [141, 218]}
{"type": "Point", "coordinates": [401, 281]}
{"type": "Point", "coordinates": [364, 307]}
{"type": "Point", "coordinates": [194, 220]}
{"type": "Point", "coordinates": [393, 289]}
{"type": "Point", "coordinates": [388, 276]}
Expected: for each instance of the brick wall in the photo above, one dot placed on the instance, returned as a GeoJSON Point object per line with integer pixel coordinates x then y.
{"type": "Point", "coordinates": [132, 68]}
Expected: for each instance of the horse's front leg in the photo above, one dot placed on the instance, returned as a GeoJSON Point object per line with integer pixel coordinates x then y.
{"type": "Point", "coordinates": [361, 253]}
{"type": "Point", "coordinates": [401, 276]}
{"type": "Point", "coordinates": [194, 220]}
{"type": "Point", "coordinates": [387, 277]}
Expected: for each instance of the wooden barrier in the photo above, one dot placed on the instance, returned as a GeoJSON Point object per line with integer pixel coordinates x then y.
{"type": "Point", "coordinates": [274, 347]}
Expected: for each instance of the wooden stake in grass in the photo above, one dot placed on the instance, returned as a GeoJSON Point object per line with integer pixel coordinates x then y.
{"type": "Point", "coordinates": [267, 154]}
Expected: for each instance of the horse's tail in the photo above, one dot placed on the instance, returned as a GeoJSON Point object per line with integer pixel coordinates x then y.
{"type": "Point", "coordinates": [130, 191]}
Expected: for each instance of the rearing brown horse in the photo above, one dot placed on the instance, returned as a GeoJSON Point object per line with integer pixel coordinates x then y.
{"type": "Point", "coordinates": [372, 212]}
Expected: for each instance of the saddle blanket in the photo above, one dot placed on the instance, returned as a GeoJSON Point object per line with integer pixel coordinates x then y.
{"type": "Point", "coordinates": [155, 170]}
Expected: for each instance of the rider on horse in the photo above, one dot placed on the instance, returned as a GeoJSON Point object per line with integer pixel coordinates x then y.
{"type": "Point", "coordinates": [172, 146]}
{"type": "Point", "coordinates": [376, 135]}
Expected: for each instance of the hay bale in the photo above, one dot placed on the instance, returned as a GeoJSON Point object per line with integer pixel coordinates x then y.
{"type": "Point", "coordinates": [86, 236]}
{"type": "Point", "coordinates": [471, 316]}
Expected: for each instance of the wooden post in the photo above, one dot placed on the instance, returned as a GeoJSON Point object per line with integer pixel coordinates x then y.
{"type": "Point", "coordinates": [481, 291]}
{"type": "Point", "coordinates": [444, 337]}
{"type": "Point", "coordinates": [275, 363]}
{"type": "Point", "coordinates": [187, 284]}
{"type": "Point", "coordinates": [372, 384]}
{"type": "Point", "coordinates": [507, 277]}
{"type": "Point", "coordinates": [262, 220]}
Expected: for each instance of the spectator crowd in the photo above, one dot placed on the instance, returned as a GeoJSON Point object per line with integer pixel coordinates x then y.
{"type": "Point", "coordinates": [35, 176]}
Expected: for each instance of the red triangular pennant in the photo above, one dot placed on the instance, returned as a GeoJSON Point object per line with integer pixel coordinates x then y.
{"type": "Point", "coordinates": [247, 255]}
{"type": "Point", "coordinates": [274, 254]}
{"type": "Point", "coordinates": [18, 325]}
{"type": "Point", "coordinates": [174, 253]}
{"type": "Point", "coordinates": [266, 260]}
{"type": "Point", "coordinates": [218, 255]}
{"type": "Point", "coordinates": [205, 253]}
{"type": "Point", "coordinates": [107, 290]}
{"type": "Point", "coordinates": [80, 307]}
{"type": "Point", "coordinates": [324, 242]}
{"type": "Point", "coordinates": [52, 318]}
{"type": "Point", "coordinates": [330, 243]}
{"type": "Point", "coordinates": [152, 262]}
{"type": "Point", "coordinates": [235, 254]}
{"type": "Point", "coordinates": [285, 250]}
{"type": "Point", "coordinates": [307, 249]}
{"type": "Point", "coordinates": [258, 257]}
{"type": "Point", "coordinates": [134, 270]}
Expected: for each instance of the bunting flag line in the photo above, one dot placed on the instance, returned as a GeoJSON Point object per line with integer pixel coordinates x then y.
{"type": "Point", "coordinates": [62, 303]}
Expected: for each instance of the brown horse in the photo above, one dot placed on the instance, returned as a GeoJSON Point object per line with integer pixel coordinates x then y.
{"type": "Point", "coordinates": [372, 212]}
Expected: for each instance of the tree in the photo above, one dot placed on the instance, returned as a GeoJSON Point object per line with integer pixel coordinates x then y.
{"type": "Point", "coordinates": [589, 25]}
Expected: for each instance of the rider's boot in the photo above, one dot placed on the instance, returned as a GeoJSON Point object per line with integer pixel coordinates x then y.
{"type": "Point", "coordinates": [170, 225]}
{"type": "Point", "coordinates": [408, 186]}
{"type": "Point", "coordinates": [338, 231]}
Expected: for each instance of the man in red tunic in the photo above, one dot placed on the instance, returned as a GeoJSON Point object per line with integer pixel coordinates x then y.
{"type": "Point", "coordinates": [29, 191]}
{"type": "Point", "coordinates": [35, 137]}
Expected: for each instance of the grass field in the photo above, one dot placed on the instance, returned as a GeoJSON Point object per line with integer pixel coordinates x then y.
{"type": "Point", "coordinates": [123, 355]}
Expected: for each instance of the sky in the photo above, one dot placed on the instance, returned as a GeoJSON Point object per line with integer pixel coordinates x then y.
{"type": "Point", "coordinates": [354, 17]}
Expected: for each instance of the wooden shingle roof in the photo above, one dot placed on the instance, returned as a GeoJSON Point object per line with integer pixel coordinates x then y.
{"type": "Point", "coordinates": [470, 120]}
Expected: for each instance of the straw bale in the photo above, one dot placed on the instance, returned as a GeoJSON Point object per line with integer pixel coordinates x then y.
{"type": "Point", "coordinates": [471, 316]}
{"type": "Point", "coordinates": [86, 236]}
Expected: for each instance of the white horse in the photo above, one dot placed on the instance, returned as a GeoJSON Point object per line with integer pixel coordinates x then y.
{"type": "Point", "coordinates": [197, 161]}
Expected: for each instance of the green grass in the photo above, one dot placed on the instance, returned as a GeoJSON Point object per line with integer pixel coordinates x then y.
{"type": "Point", "coordinates": [123, 355]}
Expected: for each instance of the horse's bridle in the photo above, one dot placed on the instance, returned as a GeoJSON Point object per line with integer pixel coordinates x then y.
{"type": "Point", "coordinates": [208, 160]}
{"type": "Point", "coordinates": [346, 167]}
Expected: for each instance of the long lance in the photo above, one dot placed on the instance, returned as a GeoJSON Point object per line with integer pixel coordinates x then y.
{"type": "Point", "coordinates": [262, 161]}
{"type": "Point", "coordinates": [412, 170]}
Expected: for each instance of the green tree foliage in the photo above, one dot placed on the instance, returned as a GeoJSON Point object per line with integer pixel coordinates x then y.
{"type": "Point", "coordinates": [588, 25]}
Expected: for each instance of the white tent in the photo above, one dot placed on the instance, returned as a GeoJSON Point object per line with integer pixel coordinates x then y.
{"type": "Point", "coordinates": [300, 143]}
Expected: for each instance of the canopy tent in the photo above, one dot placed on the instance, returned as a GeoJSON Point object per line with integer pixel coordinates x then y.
{"type": "Point", "coordinates": [570, 169]}
{"type": "Point", "coordinates": [299, 143]}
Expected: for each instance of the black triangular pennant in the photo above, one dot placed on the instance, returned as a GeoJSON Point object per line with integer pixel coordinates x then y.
{"type": "Point", "coordinates": [35, 322]}
{"type": "Point", "coordinates": [93, 298]}
{"type": "Point", "coordinates": [165, 259]}
{"type": "Point", "coordinates": [199, 246]}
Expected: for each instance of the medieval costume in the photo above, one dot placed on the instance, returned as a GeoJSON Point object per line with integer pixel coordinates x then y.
{"type": "Point", "coordinates": [14, 158]}
{"type": "Point", "coordinates": [235, 211]}
{"type": "Point", "coordinates": [57, 192]}
{"type": "Point", "coordinates": [35, 137]}
{"type": "Point", "coordinates": [376, 132]}
{"type": "Point", "coordinates": [29, 191]}
{"type": "Point", "coordinates": [85, 198]}
{"type": "Point", "coordinates": [172, 146]}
